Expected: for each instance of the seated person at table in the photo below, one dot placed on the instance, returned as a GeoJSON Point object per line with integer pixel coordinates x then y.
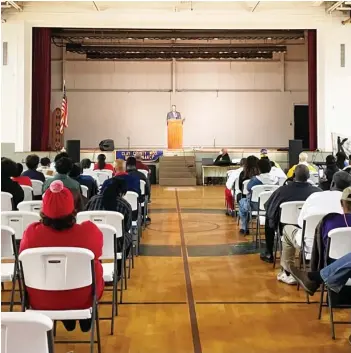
{"type": "Point", "coordinates": [112, 200]}
{"type": "Point", "coordinates": [58, 228]}
{"type": "Point", "coordinates": [223, 158]}
{"type": "Point", "coordinates": [101, 163]}
{"type": "Point", "coordinates": [45, 168]}
{"type": "Point", "coordinates": [292, 236]}
{"type": "Point", "coordinates": [245, 204]}
{"type": "Point", "coordinates": [298, 190]}
{"type": "Point", "coordinates": [8, 170]}
{"type": "Point", "coordinates": [303, 157]}
{"type": "Point", "coordinates": [32, 162]}
{"type": "Point", "coordinates": [86, 180]}
{"type": "Point", "coordinates": [22, 180]}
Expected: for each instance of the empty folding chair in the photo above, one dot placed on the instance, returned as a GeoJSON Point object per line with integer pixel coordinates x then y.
{"type": "Point", "coordinates": [28, 192]}
{"type": "Point", "coordinates": [37, 186]}
{"type": "Point", "coordinates": [6, 201]}
{"type": "Point", "coordinates": [289, 215]}
{"type": "Point", "coordinates": [339, 245]}
{"type": "Point", "coordinates": [26, 332]}
{"type": "Point", "coordinates": [145, 172]}
{"type": "Point", "coordinates": [61, 269]}
{"type": "Point", "coordinates": [101, 177]}
{"type": "Point", "coordinates": [9, 270]}
{"type": "Point", "coordinates": [19, 221]}
{"type": "Point", "coordinates": [85, 191]}
{"type": "Point", "coordinates": [30, 206]}
{"type": "Point", "coordinates": [116, 220]}
{"type": "Point", "coordinates": [107, 171]}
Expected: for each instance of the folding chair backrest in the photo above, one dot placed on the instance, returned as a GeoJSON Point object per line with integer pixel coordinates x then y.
{"type": "Point", "coordinates": [101, 176]}
{"type": "Point", "coordinates": [310, 224]}
{"type": "Point", "coordinates": [37, 186]}
{"type": "Point", "coordinates": [19, 220]}
{"type": "Point", "coordinates": [236, 186]}
{"type": "Point", "coordinates": [6, 201]}
{"type": "Point", "coordinates": [114, 219]}
{"type": "Point", "coordinates": [290, 211]}
{"type": "Point", "coordinates": [258, 189]}
{"type": "Point", "coordinates": [30, 206]}
{"type": "Point", "coordinates": [314, 178]}
{"type": "Point", "coordinates": [107, 171]}
{"type": "Point", "coordinates": [25, 332]}
{"type": "Point", "coordinates": [245, 192]}
{"type": "Point", "coordinates": [28, 192]}
{"type": "Point", "coordinates": [109, 234]}
{"type": "Point", "coordinates": [142, 187]}
{"type": "Point", "coordinates": [85, 191]}
{"type": "Point", "coordinates": [263, 198]}
{"type": "Point", "coordinates": [7, 242]}
{"type": "Point", "coordinates": [132, 198]}
{"type": "Point", "coordinates": [145, 172]}
{"type": "Point", "coordinates": [340, 242]}
{"type": "Point", "coordinates": [56, 269]}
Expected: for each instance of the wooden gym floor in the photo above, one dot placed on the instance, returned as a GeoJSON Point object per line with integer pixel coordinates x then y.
{"type": "Point", "coordinates": [199, 286]}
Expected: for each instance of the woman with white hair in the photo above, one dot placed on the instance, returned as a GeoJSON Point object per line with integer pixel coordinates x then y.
{"type": "Point", "coordinates": [302, 160]}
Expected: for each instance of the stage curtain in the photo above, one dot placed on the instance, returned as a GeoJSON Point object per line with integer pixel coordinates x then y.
{"type": "Point", "coordinates": [41, 88]}
{"type": "Point", "coordinates": [312, 87]}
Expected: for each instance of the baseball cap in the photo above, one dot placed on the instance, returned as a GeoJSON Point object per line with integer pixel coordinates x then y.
{"type": "Point", "coordinates": [346, 194]}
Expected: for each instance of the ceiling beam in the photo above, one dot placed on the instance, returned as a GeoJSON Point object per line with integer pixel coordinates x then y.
{"type": "Point", "coordinates": [254, 8]}
{"type": "Point", "coordinates": [15, 5]}
{"type": "Point", "coordinates": [96, 6]}
{"type": "Point", "coordinates": [334, 6]}
{"type": "Point", "coordinates": [317, 3]}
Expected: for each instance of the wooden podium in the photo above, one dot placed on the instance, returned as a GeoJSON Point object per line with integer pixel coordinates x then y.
{"type": "Point", "coordinates": [175, 134]}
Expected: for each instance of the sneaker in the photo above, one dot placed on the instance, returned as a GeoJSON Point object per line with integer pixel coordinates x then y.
{"type": "Point", "coordinates": [283, 277]}
{"type": "Point", "coordinates": [266, 257]}
{"type": "Point", "coordinates": [301, 276]}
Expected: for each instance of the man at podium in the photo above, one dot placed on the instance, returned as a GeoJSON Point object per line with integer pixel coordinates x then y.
{"type": "Point", "coordinates": [175, 129]}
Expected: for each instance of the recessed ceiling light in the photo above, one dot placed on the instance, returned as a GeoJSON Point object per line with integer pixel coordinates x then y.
{"type": "Point", "coordinates": [269, 38]}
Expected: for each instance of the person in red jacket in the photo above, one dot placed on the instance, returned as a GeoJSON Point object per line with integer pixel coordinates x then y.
{"type": "Point", "coordinates": [21, 179]}
{"type": "Point", "coordinates": [101, 163]}
{"type": "Point", "coordinates": [58, 228]}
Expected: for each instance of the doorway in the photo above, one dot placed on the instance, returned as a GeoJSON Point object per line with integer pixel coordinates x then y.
{"type": "Point", "coordinates": [302, 125]}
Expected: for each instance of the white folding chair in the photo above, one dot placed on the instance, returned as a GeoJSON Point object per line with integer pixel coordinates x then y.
{"type": "Point", "coordinates": [30, 206]}
{"type": "Point", "coordinates": [61, 269]}
{"type": "Point", "coordinates": [143, 205]}
{"type": "Point", "coordinates": [26, 332]}
{"type": "Point", "coordinates": [107, 171]}
{"type": "Point", "coordinates": [9, 270]}
{"type": "Point", "coordinates": [339, 245]}
{"type": "Point", "coordinates": [289, 215]}
{"type": "Point", "coordinates": [37, 186]}
{"type": "Point", "coordinates": [116, 220]}
{"type": "Point", "coordinates": [314, 178]}
{"type": "Point", "coordinates": [101, 177]}
{"type": "Point", "coordinates": [245, 192]}
{"type": "Point", "coordinates": [144, 171]}
{"type": "Point", "coordinates": [28, 192]}
{"type": "Point", "coordinates": [85, 191]}
{"type": "Point", "coordinates": [19, 221]}
{"type": "Point", "coordinates": [261, 213]}
{"type": "Point", "coordinates": [6, 201]}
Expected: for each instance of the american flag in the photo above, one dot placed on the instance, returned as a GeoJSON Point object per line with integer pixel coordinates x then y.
{"type": "Point", "coordinates": [64, 111]}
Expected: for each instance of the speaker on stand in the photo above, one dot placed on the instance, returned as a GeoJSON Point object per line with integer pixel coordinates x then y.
{"type": "Point", "coordinates": [295, 148]}
{"type": "Point", "coordinates": [73, 150]}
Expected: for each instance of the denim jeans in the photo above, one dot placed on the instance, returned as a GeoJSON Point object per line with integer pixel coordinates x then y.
{"type": "Point", "coordinates": [244, 210]}
{"type": "Point", "coordinates": [337, 274]}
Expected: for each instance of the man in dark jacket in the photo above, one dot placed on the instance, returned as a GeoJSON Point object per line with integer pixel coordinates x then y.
{"type": "Point", "coordinates": [298, 190]}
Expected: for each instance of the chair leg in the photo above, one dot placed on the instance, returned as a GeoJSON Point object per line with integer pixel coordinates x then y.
{"type": "Point", "coordinates": [321, 302]}
{"type": "Point", "coordinates": [92, 329]}
{"type": "Point", "coordinates": [98, 329]}
{"type": "Point", "coordinates": [13, 291]}
{"type": "Point", "coordinates": [55, 327]}
{"type": "Point", "coordinates": [276, 250]}
{"type": "Point", "coordinates": [331, 315]}
{"type": "Point", "coordinates": [125, 271]}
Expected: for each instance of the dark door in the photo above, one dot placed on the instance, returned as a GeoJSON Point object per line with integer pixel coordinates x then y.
{"type": "Point", "coordinates": [301, 125]}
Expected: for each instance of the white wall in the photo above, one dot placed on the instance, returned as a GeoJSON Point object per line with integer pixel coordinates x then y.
{"type": "Point", "coordinates": [220, 100]}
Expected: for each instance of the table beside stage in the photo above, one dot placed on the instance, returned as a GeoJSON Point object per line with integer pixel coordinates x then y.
{"type": "Point", "coordinates": [216, 171]}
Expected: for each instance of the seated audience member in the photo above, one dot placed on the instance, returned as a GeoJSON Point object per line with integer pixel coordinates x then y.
{"type": "Point", "coordinates": [245, 204]}
{"type": "Point", "coordinates": [341, 160]}
{"type": "Point", "coordinates": [22, 180]}
{"type": "Point", "coordinates": [330, 170]}
{"type": "Point", "coordinates": [229, 189]}
{"type": "Point", "coordinates": [250, 170]}
{"type": "Point", "coordinates": [61, 155]}
{"type": "Point", "coordinates": [8, 170]}
{"type": "Point", "coordinates": [58, 228]}
{"type": "Point", "coordinates": [264, 154]}
{"type": "Point", "coordinates": [101, 163]}
{"type": "Point", "coordinates": [32, 162]}
{"type": "Point", "coordinates": [112, 200]}
{"type": "Point", "coordinates": [303, 157]}
{"type": "Point", "coordinates": [139, 162]}
{"type": "Point", "coordinates": [223, 158]}
{"type": "Point", "coordinates": [326, 202]}
{"type": "Point", "coordinates": [299, 190]}
{"type": "Point", "coordinates": [86, 168]}
{"type": "Point", "coordinates": [45, 166]}
{"type": "Point", "coordinates": [86, 180]}
{"type": "Point", "coordinates": [278, 172]}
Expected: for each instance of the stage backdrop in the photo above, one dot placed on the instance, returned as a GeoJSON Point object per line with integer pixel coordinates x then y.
{"type": "Point", "coordinates": [242, 104]}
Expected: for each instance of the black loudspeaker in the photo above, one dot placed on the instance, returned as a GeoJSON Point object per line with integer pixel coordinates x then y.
{"type": "Point", "coordinates": [107, 145]}
{"type": "Point", "coordinates": [73, 150]}
{"type": "Point", "coordinates": [295, 148]}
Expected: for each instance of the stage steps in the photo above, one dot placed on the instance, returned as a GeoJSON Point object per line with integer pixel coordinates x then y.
{"type": "Point", "coordinates": [177, 171]}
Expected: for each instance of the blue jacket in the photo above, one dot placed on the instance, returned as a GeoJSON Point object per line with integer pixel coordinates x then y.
{"type": "Point", "coordinates": [133, 183]}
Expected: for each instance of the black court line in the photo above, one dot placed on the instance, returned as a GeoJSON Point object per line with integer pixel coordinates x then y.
{"type": "Point", "coordinates": [189, 289]}
{"type": "Point", "coordinates": [256, 303]}
{"type": "Point", "coordinates": [155, 303]}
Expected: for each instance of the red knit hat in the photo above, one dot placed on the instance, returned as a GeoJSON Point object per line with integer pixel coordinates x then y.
{"type": "Point", "coordinates": [58, 201]}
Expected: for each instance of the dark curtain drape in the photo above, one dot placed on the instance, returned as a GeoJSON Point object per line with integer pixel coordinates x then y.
{"type": "Point", "coordinates": [312, 87]}
{"type": "Point", "coordinates": [41, 88]}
